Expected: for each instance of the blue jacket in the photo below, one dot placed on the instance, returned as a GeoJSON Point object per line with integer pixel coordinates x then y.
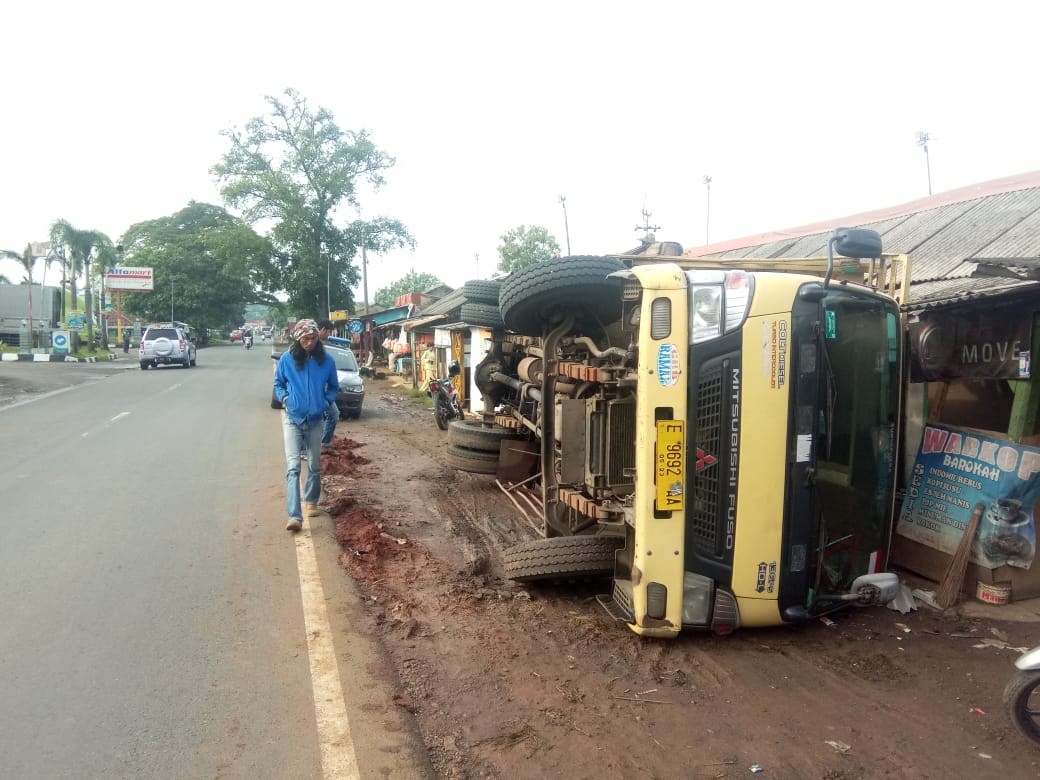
{"type": "Point", "coordinates": [306, 393]}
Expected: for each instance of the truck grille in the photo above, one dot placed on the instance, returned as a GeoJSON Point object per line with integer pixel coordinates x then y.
{"type": "Point", "coordinates": [704, 516]}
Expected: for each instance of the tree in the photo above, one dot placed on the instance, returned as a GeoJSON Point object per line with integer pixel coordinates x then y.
{"type": "Point", "coordinates": [295, 167]}
{"type": "Point", "coordinates": [207, 265]}
{"type": "Point", "coordinates": [80, 247]}
{"type": "Point", "coordinates": [412, 282]}
{"type": "Point", "coordinates": [524, 246]}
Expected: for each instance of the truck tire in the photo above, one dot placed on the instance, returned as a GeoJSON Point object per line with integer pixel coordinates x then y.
{"type": "Point", "coordinates": [562, 557]}
{"type": "Point", "coordinates": [482, 291]}
{"type": "Point", "coordinates": [483, 315]}
{"type": "Point", "coordinates": [474, 435]}
{"type": "Point", "coordinates": [540, 294]}
{"type": "Point", "coordinates": [473, 461]}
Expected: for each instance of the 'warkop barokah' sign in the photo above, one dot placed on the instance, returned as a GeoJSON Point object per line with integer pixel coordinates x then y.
{"type": "Point", "coordinates": [957, 473]}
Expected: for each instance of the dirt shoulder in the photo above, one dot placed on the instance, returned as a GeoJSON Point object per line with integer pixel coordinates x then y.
{"type": "Point", "coordinates": [507, 681]}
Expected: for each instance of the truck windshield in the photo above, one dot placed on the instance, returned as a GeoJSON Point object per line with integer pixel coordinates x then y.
{"type": "Point", "coordinates": [858, 404]}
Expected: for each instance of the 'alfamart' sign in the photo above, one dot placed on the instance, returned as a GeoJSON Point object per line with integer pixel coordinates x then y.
{"type": "Point", "coordinates": [130, 278]}
{"type": "Point", "coordinates": [957, 473]}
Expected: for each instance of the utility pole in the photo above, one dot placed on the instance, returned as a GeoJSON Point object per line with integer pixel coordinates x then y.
{"type": "Point", "coordinates": [922, 140]}
{"type": "Point", "coordinates": [364, 275]}
{"type": "Point", "coordinates": [88, 300]}
{"type": "Point", "coordinates": [102, 314]}
{"type": "Point", "coordinates": [707, 209]}
{"type": "Point", "coordinates": [566, 227]}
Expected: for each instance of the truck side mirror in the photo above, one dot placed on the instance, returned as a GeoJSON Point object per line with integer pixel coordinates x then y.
{"type": "Point", "coordinates": [851, 242]}
{"type": "Point", "coordinates": [857, 242]}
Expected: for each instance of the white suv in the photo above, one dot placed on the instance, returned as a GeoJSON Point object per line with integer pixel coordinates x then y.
{"type": "Point", "coordinates": [165, 344]}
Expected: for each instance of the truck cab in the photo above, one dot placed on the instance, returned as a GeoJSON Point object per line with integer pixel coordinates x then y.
{"type": "Point", "coordinates": [718, 441]}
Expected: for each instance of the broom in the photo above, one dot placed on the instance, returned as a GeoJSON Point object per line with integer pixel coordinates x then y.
{"type": "Point", "coordinates": [953, 578]}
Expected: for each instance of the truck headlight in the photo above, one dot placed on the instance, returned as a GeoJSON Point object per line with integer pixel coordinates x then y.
{"type": "Point", "coordinates": [696, 599]}
{"type": "Point", "coordinates": [719, 302]}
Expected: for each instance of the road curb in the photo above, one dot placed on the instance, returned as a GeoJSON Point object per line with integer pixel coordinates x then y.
{"type": "Point", "coordinates": [51, 358]}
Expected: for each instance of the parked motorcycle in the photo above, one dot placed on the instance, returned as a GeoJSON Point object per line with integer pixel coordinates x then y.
{"type": "Point", "coordinates": [1022, 695]}
{"type": "Point", "coordinates": [446, 403]}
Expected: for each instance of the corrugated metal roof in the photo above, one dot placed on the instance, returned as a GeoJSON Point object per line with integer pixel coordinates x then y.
{"type": "Point", "coordinates": [941, 234]}
{"type": "Point", "coordinates": [943, 292]}
{"type": "Point", "coordinates": [445, 305]}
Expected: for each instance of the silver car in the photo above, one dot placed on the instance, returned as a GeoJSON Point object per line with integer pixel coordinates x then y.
{"type": "Point", "coordinates": [166, 345]}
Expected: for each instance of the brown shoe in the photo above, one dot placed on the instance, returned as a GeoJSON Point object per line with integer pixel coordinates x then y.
{"type": "Point", "coordinates": [294, 524]}
{"type": "Point", "coordinates": [313, 510]}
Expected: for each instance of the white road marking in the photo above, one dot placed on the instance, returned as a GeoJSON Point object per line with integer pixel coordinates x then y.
{"type": "Point", "coordinates": [338, 759]}
{"type": "Point", "coordinates": [107, 424]}
{"type": "Point", "coordinates": [36, 398]}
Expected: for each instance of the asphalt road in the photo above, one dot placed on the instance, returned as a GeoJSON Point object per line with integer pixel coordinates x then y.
{"type": "Point", "coordinates": [152, 623]}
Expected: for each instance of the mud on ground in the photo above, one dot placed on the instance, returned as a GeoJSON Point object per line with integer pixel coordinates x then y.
{"type": "Point", "coordinates": [513, 682]}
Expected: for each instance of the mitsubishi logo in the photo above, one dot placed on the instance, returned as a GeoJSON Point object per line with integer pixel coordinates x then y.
{"type": "Point", "coordinates": [704, 460]}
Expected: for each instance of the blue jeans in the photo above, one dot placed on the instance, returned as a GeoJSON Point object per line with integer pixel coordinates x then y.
{"type": "Point", "coordinates": [301, 438]}
{"type": "Point", "coordinates": [331, 418]}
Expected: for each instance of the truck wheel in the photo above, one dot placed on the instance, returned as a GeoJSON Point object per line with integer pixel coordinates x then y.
{"type": "Point", "coordinates": [474, 435]}
{"type": "Point", "coordinates": [483, 315]}
{"type": "Point", "coordinates": [541, 294]}
{"type": "Point", "coordinates": [562, 557]}
{"type": "Point", "coordinates": [482, 291]}
{"type": "Point", "coordinates": [473, 461]}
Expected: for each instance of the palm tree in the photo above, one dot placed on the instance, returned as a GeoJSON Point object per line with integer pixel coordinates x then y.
{"type": "Point", "coordinates": [27, 260]}
{"type": "Point", "coordinates": [80, 247]}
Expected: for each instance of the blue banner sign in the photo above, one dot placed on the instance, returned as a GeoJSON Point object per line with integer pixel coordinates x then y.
{"type": "Point", "coordinates": [957, 473]}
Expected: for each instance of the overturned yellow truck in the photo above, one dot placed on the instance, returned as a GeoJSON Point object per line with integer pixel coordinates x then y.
{"type": "Point", "coordinates": [719, 441]}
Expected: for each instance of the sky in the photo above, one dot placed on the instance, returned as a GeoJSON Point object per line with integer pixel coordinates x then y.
{"type": "Point", "coordinates": [111, 113]}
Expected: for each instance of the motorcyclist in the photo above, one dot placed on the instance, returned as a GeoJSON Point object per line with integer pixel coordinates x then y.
{"type": "Point", "coordinates": [247, 338]}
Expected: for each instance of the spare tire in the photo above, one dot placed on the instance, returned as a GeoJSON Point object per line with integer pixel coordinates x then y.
{"type": "Point", "coordinates": [482, 315]}
{"type": "Point", "coordinates": [472, 461]}
{"type": "Point", "coordinates": [540, 295]}
{"type": "Point", "coordinates": [482, 291]}
{"type": "Point", "coordinates": [163, 347]}
{"type": "Point", "coordinates": [561, 557]}
{"type": "Point", "coordinates": [474, 435]}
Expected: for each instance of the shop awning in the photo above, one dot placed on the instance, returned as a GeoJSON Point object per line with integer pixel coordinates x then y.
{"type": "Point", "coordinates": [417, 322]}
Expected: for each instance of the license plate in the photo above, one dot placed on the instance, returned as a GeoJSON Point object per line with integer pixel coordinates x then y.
{"type": "Point", "coordinates": [671, 465]}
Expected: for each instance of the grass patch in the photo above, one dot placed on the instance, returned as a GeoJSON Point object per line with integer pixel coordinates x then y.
{"type": "Point", "coordinates": [420, 395]}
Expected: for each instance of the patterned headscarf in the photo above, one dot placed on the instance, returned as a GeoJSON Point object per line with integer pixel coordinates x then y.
{"type": "Point", "coordinates": [304, 328]}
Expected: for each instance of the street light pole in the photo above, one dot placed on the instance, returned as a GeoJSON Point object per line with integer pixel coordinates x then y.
{"type": "Point", "coordinates": [566, 227]}
{"type": "Point", "coordinates": [922, 140]}
{"type": "Point", "coordinates": [707, 209]}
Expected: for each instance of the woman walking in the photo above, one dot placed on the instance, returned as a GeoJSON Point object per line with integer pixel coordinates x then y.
{"type": "Point", "coordinates": [305, 382]}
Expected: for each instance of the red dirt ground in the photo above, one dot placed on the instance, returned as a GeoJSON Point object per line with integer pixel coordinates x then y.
{"type": "Point", "coordinates": [514, 682]}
